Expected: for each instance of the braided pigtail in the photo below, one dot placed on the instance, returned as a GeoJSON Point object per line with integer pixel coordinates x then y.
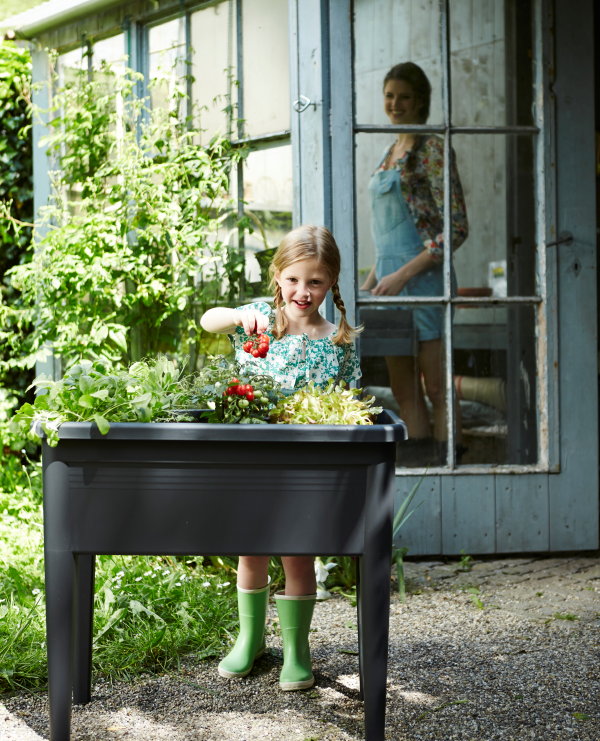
{"type": "Point", "coordinates": [345, 332]}
{"type": "Point", "coordinates": [280, 323]}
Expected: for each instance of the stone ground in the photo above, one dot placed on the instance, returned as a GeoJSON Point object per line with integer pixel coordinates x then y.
{"type": "Point", "coordinates": [483, 650]}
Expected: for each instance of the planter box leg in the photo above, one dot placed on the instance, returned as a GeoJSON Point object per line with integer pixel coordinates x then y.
{"type": "Point", "coordinates": [60, 580]}
{"type": "Point", "coordinates": [374, 600]}
{"type": "Point", "coordinates": [84, 618]}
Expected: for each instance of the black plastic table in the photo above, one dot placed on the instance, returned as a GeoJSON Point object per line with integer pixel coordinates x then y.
{"type": "Point", "coordinates": [188, 488]}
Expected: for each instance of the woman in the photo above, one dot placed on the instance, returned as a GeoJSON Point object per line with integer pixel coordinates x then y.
{"type": "Point", "coordinates": [407, 202]}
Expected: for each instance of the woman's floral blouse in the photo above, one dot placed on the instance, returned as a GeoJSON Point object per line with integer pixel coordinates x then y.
{"type": "Point", "coordinates": [422, 181]}
{"type": "Point", "coordinates": [296, 360]}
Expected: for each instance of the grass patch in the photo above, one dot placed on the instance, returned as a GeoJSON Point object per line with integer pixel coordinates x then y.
{"type": "Point", "coordinates": [149, 610]}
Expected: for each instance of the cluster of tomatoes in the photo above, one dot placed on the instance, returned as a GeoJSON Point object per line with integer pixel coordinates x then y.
{"type": "Point", "coordinates": [258, 346]}
{"type": "Point", "coordinates": [244, 390]}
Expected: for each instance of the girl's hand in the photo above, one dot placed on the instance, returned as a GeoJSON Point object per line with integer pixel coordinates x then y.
{"type": "Point", "coordinates": [252, 321]}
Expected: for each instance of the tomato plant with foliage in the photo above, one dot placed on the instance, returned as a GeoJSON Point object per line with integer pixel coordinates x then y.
{"type": "Point", "coordinates": [129, 253]}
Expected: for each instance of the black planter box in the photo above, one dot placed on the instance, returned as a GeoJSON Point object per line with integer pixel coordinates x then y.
{"type": "Point", "coordinates": [194, 488]}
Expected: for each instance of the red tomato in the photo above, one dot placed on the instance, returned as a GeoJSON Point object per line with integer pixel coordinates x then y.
{"type": "Point", "coordinates": [250, 395]}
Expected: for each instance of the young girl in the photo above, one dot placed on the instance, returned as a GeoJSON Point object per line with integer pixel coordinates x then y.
{"type": "Point", "coordinates": [304, 348]}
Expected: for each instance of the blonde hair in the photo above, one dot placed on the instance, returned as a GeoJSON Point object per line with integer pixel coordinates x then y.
{"type": "Point", "coordinates": [304, 243]}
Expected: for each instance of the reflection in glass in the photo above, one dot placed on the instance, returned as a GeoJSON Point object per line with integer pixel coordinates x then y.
{"type": "Point", "coordinates": [491, 62]}
{"type": "Point", "coordinates": [266, 86]}
{"type": "Point", "coordinates": [407, 376]}
{"type": "Point", "coordinates": [110, 51]}
{"type": "Point", "coordinates": [70, 65]}
{"type": "Point", "coordinates": [389, 32]}
{"type": "Point", "coordinates": [213, 32]}
{"type": "Point", "coordinates": [267, 195]}
{"type": "Point", "coordinates": [494, 361]}
{"type": "Point", "coordinates": [499, 257]}
{"type": "Point", "coordinates": [166, 64]}
{"type": "Point", "coordinates": [406, 198]}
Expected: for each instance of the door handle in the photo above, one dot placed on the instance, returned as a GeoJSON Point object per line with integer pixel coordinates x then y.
{"type": "Point", "coordinates": [563, 238]}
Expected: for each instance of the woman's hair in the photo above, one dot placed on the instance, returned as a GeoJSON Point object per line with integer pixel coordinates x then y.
{"type": "Point", "coordinates": [412, 74]}
{"type": "Point", "coordinates": [304, 243]}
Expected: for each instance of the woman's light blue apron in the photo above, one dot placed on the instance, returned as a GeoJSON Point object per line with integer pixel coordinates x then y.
{"type": "Point", "coordinates": [397, 242]}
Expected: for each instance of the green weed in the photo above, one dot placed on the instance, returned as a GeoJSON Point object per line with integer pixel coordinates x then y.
{"type": "Point", "coordinates": [465, 563]}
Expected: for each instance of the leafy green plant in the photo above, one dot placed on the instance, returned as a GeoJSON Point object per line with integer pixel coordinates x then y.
{"type": "Point", "coordinates": [129, 254]}
{"type": "Point", "coordinates": [475, 597]}
{"type": "Point", "coordinates": [156, 390]}
{"type": "Point", "coordinates": [95, 391]}
{"type": "Point", "coordinates": [465, 563]}
{"type": "Point", "coordinates": [400, 518]}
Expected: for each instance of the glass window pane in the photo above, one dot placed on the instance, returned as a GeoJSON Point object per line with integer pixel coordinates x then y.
{"type": "Point", "coordinates": [266, 86]}
{"type": "Point", "coordinates": [213, 32]}
{"type": "Point", "coordinates": [268, 198]}
{"type": "Point", "coordinates": [494, 361]}
{"type": "Point", "coordinates": [70, 64]}
{"type": "Point", "coordinates": [389, 32]}
{"type": "Point", "coordinates": [109, 51]}
{"type": "Point", "coordinates": [491, 62]}
{"type": "Point", "coordinates": [499, 257]}
{"type": "Point", "coordinates": [166, 63]}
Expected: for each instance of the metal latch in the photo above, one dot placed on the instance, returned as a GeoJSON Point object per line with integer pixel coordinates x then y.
{"type": "Point", "coordinates": [302, 104]}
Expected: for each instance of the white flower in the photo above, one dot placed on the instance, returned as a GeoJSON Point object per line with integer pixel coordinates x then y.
{"type": "Point", "coordinates": [321, 573]}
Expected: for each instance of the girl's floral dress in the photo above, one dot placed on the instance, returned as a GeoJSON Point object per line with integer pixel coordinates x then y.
{"type": "Point", "coordinates": [296, 360]}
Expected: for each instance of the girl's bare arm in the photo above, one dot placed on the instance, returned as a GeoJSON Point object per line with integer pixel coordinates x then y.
{"type": "Point", "coordinates": [221, 320]}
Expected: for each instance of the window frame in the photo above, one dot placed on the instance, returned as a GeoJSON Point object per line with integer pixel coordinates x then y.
{"type": "Point", "coordinates": [345, 127]}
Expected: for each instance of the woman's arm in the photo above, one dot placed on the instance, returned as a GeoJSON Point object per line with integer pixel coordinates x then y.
{"type": "Point", "coordinates": [370, 281]}
{"type": "Point", "coordinates": [392, 284]}
{"type": "Point", "coordinates": [222, 320]}
{"type": "Point", "coordinates": [431, 164]}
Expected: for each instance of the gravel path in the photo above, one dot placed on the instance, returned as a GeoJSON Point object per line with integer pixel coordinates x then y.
{"type": "Point", "coordinates": [507, 650]}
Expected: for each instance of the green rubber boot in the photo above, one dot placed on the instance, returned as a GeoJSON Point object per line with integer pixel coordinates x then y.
{"type": "Point", "coordinates": [250, 643]}
{"type": "Point", "coordinates": [295, 615]}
